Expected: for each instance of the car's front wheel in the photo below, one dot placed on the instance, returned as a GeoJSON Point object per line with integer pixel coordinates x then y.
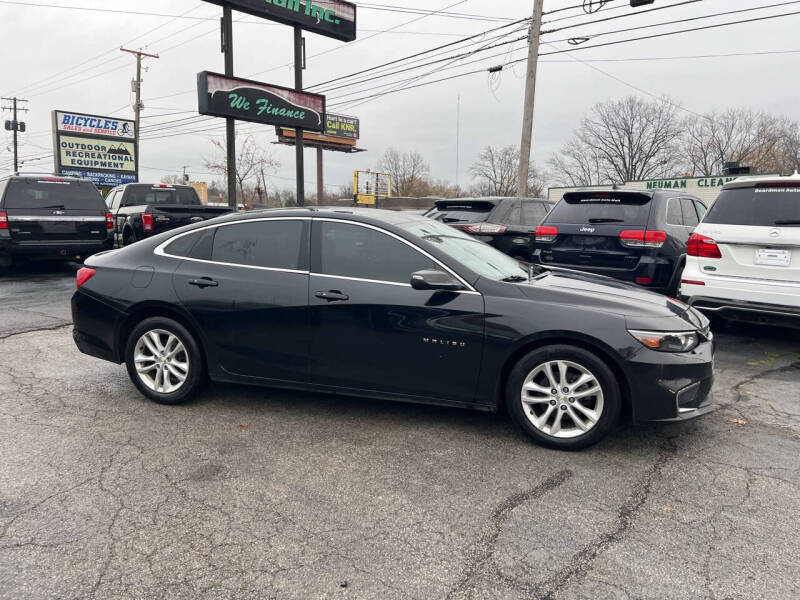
{"type": "Point", "coordinates": [164, 360]}
{"type": "Point", "coordinates": [563, 396]}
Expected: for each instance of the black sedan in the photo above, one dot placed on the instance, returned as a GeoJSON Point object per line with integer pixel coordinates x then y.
{"type": "Point", "coordinates": [391, 305]}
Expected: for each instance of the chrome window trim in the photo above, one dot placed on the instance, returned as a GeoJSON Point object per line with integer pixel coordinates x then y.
{"type": "Point", "coordinates": [469, 290]}
{"type": "Point", "coordinates": [27, 219]}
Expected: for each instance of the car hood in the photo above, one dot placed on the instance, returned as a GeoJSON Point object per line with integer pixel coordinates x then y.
{"type": "Point", "coordinates": [642, 308]}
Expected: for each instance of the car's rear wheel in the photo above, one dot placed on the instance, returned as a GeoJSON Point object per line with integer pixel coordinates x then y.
{"type": "Point", "coordinates": [164, 360]}
{"type": "Point", "coordinates": [563, 396]}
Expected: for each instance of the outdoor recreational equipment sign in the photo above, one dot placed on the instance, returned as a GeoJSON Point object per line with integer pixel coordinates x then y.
{"type": "Point", "coordinates": [101, 149]}
{"type": "Point", "coordinates": [331, 18]}
{"type": "Point", "coordinates": [245, 100]}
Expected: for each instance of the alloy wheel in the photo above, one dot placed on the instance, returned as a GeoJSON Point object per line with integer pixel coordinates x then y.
{"type": "Point", "coordinates": [161, 361]}
{"type": "Point", "coordinates": [562, 399]}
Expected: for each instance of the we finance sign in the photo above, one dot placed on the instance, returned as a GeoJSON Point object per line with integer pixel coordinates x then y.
{"type": "Point", "coordinates": [331, 18]}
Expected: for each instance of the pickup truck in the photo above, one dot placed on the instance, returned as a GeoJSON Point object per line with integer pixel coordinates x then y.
{"type": "Point", "coordinates": [140, 210]}
{"type": "Point", "coordinates": [51, 217]}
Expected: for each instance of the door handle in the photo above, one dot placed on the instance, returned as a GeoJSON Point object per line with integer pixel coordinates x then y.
{"type": "Point", "coordinates": [204, 282]}
{"type": "Point", "coordinates": [332, 295]}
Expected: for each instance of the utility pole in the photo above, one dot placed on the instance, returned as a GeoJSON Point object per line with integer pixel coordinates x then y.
{"type": "Point", "coordinates": [298, 85]}
{"type": "Point", "coordinates": [230, 124]}
{"type": "Point", "coordinates": [137, 109]}
{"type": "Point", "coordinates": [185, 178]}
{"type": "Point", "coordinates": [15, 125]}
{"type": "Point", "coordinates": [458, 134]}
{"type": "Point", "coordinates": [530, 94]}
{"type": "Point", "coordinates": [320, 181]}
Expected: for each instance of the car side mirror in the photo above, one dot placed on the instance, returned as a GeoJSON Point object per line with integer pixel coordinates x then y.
{"type": "Point", "coordinates": [434, 280]}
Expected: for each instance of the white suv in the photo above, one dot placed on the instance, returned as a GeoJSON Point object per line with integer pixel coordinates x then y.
{"type": "Point", "coordinates": [743, 259]}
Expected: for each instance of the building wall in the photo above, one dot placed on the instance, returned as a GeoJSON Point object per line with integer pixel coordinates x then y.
{"type": "Point", "coordinates": [201, 187]}
{"type": "Point", "coordinates": [705, 188]}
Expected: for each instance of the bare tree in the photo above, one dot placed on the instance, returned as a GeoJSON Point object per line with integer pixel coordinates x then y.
{"type": "Point", "coordinates": [172, 179]}
{"type": "Point", "coordinates": [624, 140]}
{"type": "Point", "coordinates": [409, 171]}
{"type": "Point", "coordinates": [253, 165]}
{"type": "Point", "coordinates": [497, 170]}
{"type": "Point", "coordinates": [734, 135]}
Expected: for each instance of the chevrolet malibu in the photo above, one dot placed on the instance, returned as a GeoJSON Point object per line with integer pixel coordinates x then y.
{"type": "Point", "coordinates": [395, 306]}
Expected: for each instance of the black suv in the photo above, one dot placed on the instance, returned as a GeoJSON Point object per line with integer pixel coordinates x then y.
{"type": "Point", "coordinates": [508, 224]}
{"type": "Point", "coordinates": [638, 236]}
{"type": "Point", "coordinates": [51, 217]}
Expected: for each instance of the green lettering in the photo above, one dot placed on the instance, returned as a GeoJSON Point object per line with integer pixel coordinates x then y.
{"type": "Point", "coordinates": [329, 15]}
{"type": "Point", "coordinates": [683, 184]}
{"type": "Point", "coordinates": [281, 3]}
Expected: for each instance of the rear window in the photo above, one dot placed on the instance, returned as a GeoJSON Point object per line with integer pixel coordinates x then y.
{"type": "Point", "coordinates": [138, 195]}
{"type": "Point", "coordinates": [627, 209]}
{"type": "Point", "coordinates": [765, 205]}
{"type": "Point", "coordinates": [462, 212]}
{"type": "Point", "coordinates": [55, 194]}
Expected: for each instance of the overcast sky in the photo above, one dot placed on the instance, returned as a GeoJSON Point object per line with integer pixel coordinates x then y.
{"type": "Point", "coordinates": [69, 59]}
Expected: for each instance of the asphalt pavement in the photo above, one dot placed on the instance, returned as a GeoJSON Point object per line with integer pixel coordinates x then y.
{"type": "Point", "coordinates": [256, 493]}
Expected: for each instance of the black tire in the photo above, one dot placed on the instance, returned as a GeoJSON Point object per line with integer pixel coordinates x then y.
{"type": "Point", "coordinates": [195, 377]}
{"type": "Point", "coordinates": [611, 400]}
{"type": "Point", "coordinates": [128, 237]}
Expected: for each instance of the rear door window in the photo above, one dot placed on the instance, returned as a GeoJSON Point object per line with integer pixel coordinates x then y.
{"type": "Point", "coordinates": [765, 205]}
{"type": "Point", "coordinates": [53, 194]}
{"type": "Point", "coordinates": [674, 213]}
{"type": "Point", "coordinates": [275, 244]}
{"type": "Point", "coordinates": [533, 213]}
{"type": "Point", "coordinates": [689, 213]}
{"type": "Point", "coordinates": [466, 211]}
{"type": "Point", "coordinates": [702, 209]}
{"type": "Point", "coordinates": [513, 215]}
{"type": "Point", "coordinates": [188, 196]}
{"type": "Point", "coordinates": [602, 207]}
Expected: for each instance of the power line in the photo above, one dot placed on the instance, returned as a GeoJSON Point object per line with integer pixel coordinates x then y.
{"type": "Point", "coordinates": [622, 16]}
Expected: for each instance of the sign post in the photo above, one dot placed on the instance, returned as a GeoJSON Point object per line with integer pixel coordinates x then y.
{"type": "Point", "coordinates": [230, 124]}
{"type": "Point", "coordinates": [298, 85]}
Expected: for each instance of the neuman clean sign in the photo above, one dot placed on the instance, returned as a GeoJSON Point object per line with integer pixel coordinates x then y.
{"type": "Point", "coordinates": [100, 149]}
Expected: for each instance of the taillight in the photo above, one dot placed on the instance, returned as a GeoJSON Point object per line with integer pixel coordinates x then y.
{"type": "Point", "coordinates": [484, 228]}
{"type": "Point", "coordinates": [3, 220]}
{"type": "Point", "coordinates": [109, 221]}
{"type": "Point", "coordinates": [644, 280]}
{"type": "Point", "coordinates": [147, 222]}
{"type": "Point", "coordinates": [702, 246]}
{"type": "Point", "coordinates": [84, 274]}
{"type": "Point", "coordinates": [640, 238]}
{"type": "Point", "coordinates": [546, 233]}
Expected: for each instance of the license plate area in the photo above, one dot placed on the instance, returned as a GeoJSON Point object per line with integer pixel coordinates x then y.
{"type": "Point", "coordinates": [773, 258]}
{"type": "Point", "coordinates": [59, 227]}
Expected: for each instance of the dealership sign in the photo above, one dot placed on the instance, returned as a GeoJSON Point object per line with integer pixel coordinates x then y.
{"type": "Point", "coordinates": [101, 149]}
{"type": "Point", "coordinates": [245, 100]}
{"type": "Point", "coordinates": [341, 126]}
{"type": "Point", "coordinates": [331, 18]}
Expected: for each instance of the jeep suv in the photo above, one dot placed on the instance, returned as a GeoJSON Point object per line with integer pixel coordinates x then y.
{"type": "Point", "coordinates": [744, 258]}
{"type": "Point", "coordinates": [508, 224]}
{"type": "Point", "coordinates": [638, 236]}
{"type": "Point", "coordinates": [52, 217]}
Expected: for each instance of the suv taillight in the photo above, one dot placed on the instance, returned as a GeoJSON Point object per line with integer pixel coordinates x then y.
{"type": "Point", "coordinates": [109, 221]}
{"type": "Point", "coordinates": [147, 222]}
{"type": "Point", "coordinates": [546, 234]}
{"type": "Point", "coordinates": [702, 246]}
{"type": "Point", "coordinates": [484, 228]}
{"type": "Point", "coordinates": [84, 274]}
{"type": "Point", "coordinates": [3, 220]}
{"type": "Point", "coordinates": [640, 238]}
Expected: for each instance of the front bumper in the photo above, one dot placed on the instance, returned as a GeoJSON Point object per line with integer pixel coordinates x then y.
{"type": "Point", "coordinates": [671, 386]}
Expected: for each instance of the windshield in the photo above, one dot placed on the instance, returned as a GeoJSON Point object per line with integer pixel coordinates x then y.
{"type": "Point", "coordinates": [53, 193]}
{"type": "Point", "coordinates": [161, 195]}
{"type": "Point", "coordinates": [765, 205]}
{"type": "Point", "coordinates": [627, 209]}
{"type": "Point", "coordinates": [480, 257]}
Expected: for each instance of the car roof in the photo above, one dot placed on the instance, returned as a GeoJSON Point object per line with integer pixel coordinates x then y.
{"type": "Point", "coordinates": [752, 180]}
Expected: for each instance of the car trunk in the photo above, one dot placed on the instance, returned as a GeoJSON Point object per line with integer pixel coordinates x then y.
{"type": "Point", "coordinates": [462, 213]}
{"type": "Point", "coordinates": [54, 210]}
{"type": "Point", "coordinates": [596, 229]}
{"type": "Point", "coordinates": [757, 233]}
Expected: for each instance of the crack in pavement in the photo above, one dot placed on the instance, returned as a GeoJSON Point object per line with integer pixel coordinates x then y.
{"type": "Point", "coordinates": [62, 325]}
{"type": "Point", "coordinates": [482, 551]}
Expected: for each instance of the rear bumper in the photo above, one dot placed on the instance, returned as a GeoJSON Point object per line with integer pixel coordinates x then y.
{"type": "Point", "coordinates": [55, 248]}
{"type": "Point", "coordinates": [657, 270]}
{"type": "Point", "coordinates": [96, 327]}
{"type": "Point", "coordinates": [750, 312]}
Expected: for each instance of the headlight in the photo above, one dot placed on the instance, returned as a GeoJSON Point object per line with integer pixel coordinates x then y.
{"type": "Point", "coordinates": [667, 341]}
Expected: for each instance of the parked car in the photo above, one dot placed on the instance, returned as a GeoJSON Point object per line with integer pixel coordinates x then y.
{"type": "Point", "coordinates": [390, 305]}
{"type": "Point", "coordinates": [43, 216]}
{"type": "Point", "coordinates": [638, 236]}
{"type": "Point", "coordinates": [744, 258]}
{"type": "Point", "coordinates": [508, 224]}
{"type": "Point", "coordinates": [141, 210]}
